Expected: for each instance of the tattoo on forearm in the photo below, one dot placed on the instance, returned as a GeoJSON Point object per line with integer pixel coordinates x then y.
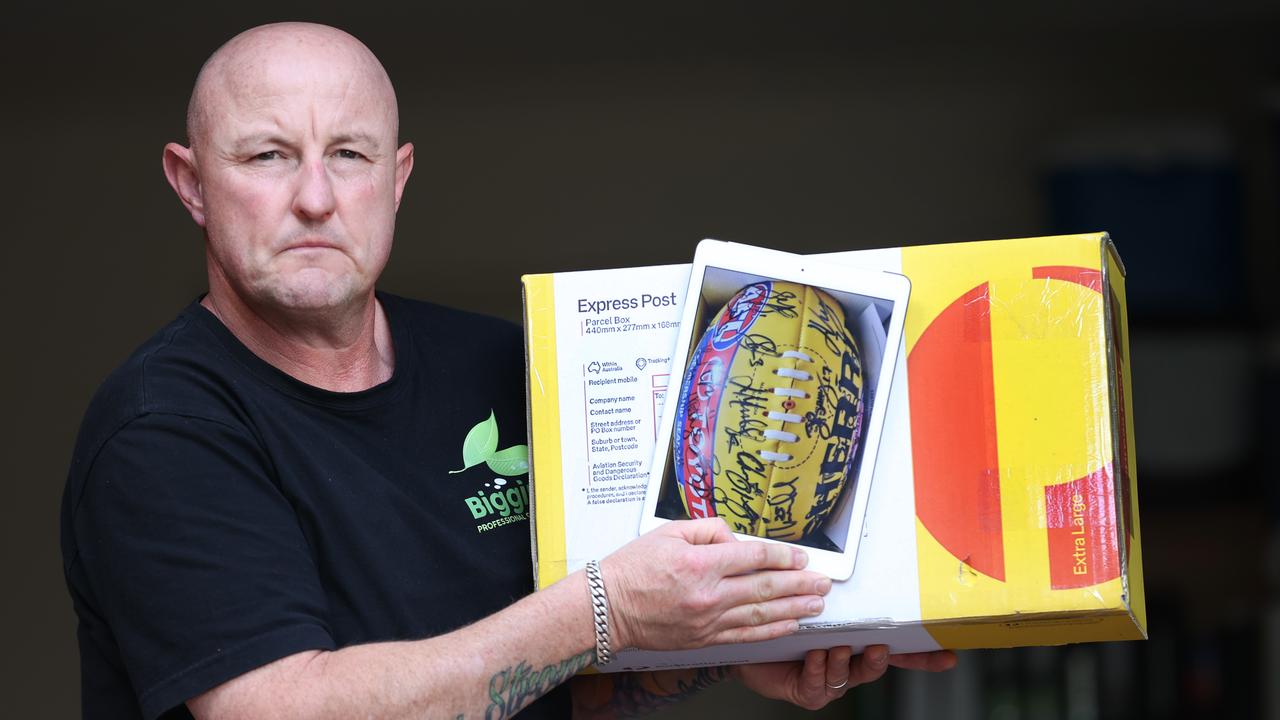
{"type": "Point", "coordinates": [512, 688]}
{"type": "Point", "coordinates": [637, 694]}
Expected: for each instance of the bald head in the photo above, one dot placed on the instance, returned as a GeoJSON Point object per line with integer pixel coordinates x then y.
{"type": "Point", "coordinates": [285, 54]}
{"type": "Point", "coordinates": [293, 171]}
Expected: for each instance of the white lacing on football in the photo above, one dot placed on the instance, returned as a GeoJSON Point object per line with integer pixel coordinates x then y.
{"type": "Point", "coordinates": [801, 375]}
{"type": "Point", "coordinates": [783, 436]}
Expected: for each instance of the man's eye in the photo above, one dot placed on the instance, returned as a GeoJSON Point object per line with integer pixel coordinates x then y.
{"type": "Point", "coordinates": [268, 155]}
{"type": "Point", "coordinates": [348, 154]}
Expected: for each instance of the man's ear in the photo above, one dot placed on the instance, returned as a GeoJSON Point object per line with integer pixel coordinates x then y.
{"type": "Point", "coordinates": [180, 171]}
{"type": "Point", "coordinates": [404, 166]}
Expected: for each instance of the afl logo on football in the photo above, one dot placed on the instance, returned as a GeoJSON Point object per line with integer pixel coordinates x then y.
{"type": "Point", "coordinates": [710, 378]}
{"type": "Point", "coordinates": [740, 316]}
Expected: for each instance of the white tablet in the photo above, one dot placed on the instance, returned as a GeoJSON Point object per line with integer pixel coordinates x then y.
{"type": "Point", "coordinates": [786, 363]}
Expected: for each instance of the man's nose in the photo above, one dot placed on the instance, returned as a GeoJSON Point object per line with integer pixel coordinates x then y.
{"type": "Point", "coordinates": [314, 198]}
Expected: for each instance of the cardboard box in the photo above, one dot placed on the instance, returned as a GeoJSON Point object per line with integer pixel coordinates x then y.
{"type": "Point", "coordinates": [1003, 508]}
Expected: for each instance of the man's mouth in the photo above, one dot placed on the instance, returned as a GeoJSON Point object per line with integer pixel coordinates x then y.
{"type": "Point", "coordinates": [312, 245]}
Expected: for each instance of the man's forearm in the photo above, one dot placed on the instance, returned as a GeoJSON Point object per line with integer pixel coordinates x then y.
{"type": "Point", "coordinates": [686, 584]}
{"type": "Point", "coordinates": [628, 695]}
{"type": "Point", "coordinates": [490, 669]}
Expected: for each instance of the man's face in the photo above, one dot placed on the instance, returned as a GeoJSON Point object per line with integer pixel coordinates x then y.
{"type": "Point", "coordinates": [297, 166]}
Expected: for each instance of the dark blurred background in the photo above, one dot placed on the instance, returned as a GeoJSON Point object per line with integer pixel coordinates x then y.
{"type": "Point", "coordinates": [589, 135]}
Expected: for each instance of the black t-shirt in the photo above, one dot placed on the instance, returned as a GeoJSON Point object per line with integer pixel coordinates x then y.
{"type": "Point", "coordinates": [220, 514]}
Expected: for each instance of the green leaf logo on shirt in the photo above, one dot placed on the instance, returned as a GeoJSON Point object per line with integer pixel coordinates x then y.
{"type": "Point", "coordinates": [481, 446]}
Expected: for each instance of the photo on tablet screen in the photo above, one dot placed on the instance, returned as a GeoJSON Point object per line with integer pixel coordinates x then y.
{"type": "Point", "coordinates": [774, 406]}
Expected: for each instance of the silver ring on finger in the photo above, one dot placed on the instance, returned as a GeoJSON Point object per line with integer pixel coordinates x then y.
{"type": "Point", "coordinates": [837, 687]}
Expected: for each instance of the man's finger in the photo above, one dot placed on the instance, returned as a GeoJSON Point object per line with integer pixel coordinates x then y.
{"type": "Point", "coordinates": [740, 558]}
{"type": "Point", "coordinates": [813, 674]}
{"type": "Point", "coordinates": [765, 586]}
{"type": "Point", "coordinates": [703, 531]}
{"type": "Point", "coordinates": [870, 666]}
{"type": "Point", "coordinates": [757, 633]}
{"type": "Point", "coordinates": [837, 679]}
{"type": "Point", "coordinates": [764, 613]}
{"type": "Point", "coordinates": [929, 661]}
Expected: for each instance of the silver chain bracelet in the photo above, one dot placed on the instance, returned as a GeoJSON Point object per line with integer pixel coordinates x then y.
{"type": "Point", "coordinates": [599, 611]}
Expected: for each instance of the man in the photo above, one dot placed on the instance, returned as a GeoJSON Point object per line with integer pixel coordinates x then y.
{"type": "Point", "coordinates": [260, 519]}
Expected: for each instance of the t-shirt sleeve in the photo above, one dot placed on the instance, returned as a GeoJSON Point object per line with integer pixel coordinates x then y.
{"type": "Point", "coordinates": [196, 559]}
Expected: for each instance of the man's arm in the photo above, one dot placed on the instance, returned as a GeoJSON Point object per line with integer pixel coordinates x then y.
{"type": "Point", "coordinates": [634, 694]}
{"type": "Point", "coordinates": [687, 584]}
{"type": "Point", "coordinates": [490, 669]}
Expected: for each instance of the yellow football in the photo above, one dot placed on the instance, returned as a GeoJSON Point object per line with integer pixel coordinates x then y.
{"type": "Point", "coordinates": [770, 412]}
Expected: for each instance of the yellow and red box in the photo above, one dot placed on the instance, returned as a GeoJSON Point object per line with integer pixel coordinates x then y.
{"type": "Point", "coordinates": [1003, 510]}
{"type": "Point", "coordinates": [1021, 420]}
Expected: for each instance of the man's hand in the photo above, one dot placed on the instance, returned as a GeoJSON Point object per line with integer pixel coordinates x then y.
{"type": "Point", "coordinates": [692, 583]}
{"type": "Point", "coordinates": [825, 675]}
